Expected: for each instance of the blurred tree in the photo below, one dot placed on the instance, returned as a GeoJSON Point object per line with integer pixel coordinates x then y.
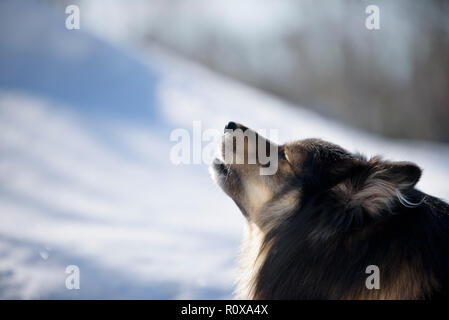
{"type": "Point", "coordinates": [319, 54]}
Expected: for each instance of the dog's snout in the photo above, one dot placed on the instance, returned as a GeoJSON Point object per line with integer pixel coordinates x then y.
{"type": "Point", "coordinates": [231, 126]}
{"type": "Point", "coordinates": [234, 126]}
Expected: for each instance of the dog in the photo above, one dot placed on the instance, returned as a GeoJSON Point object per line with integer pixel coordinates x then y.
{"type": "Point", "coordinates": [326, 216]}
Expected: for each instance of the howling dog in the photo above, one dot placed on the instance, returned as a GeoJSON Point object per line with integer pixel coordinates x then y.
{"type": "Point", "coordinates": [318, 221]}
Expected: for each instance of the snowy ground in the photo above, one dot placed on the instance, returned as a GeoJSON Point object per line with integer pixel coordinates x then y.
{"type": "Point", "coordinates": [99, 191]}
{"type": "Point", "coordinates": [109, 200]}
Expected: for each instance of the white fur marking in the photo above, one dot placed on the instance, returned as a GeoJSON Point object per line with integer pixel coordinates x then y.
{"type": "Point", "coordinates": [405, 202]}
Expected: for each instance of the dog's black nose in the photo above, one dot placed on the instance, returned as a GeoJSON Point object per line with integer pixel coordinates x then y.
{"type": "Point", "coordinates": [231, 126]}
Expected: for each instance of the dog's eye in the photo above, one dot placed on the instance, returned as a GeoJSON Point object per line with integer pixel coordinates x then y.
{"type": "Point", "coordinates": [282, 154]}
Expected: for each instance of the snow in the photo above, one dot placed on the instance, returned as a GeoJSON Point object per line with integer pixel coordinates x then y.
{"type": "Point", "coordinates": [137, 225]}
{"type": "Point", "coordinates": [63, 189]}
{"type": "Point", "coordinates": [99, 191]}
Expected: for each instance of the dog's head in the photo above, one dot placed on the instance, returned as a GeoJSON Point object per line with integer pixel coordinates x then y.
{"type": "Point", "coordinates": [268, 181]}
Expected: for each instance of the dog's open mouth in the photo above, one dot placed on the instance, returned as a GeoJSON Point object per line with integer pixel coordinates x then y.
{"type": "Point", "coordinates": [221, 168]}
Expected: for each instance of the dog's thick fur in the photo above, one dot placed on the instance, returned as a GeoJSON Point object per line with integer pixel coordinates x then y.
{"type": "Point", "coordinates": [326, 215]}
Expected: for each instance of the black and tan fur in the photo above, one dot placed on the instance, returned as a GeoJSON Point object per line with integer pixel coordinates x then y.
{"type": "Point", "coordinates": [327, 214]}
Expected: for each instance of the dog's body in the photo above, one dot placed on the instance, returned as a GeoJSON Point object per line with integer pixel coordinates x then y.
{"type": "Point", "coordinates": [325, 216]}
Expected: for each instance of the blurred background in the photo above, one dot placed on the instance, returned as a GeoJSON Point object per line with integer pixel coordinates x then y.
{"type": "Point", "coordinates": [86, 115]}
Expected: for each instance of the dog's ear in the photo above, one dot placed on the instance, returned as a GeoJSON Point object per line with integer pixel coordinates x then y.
{"type": "Point", "coordinates": [404, 175]}
{"type": "Point", "coordinates": [376, 184]}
